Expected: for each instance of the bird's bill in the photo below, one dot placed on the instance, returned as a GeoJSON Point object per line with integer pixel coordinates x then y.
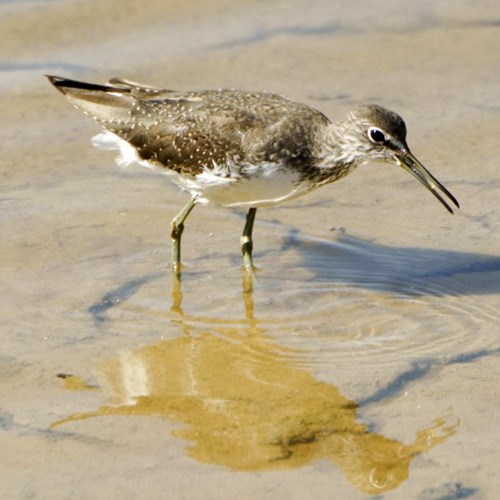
{"type": "Point", "coordinates": [415, 168]}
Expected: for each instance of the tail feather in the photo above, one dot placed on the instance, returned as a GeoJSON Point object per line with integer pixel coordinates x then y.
{"type": "Point", "coordinates": [104, 103]}
{"type": "Point", "coordinates": [67, 85]}
{"type": "Point", "coordinates": [135, 86]}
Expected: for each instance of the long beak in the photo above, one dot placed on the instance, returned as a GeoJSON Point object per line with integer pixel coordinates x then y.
{"type": "Point", "coordinates": [415, 168]}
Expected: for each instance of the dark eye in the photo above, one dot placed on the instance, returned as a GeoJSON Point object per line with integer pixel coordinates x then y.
{"type": "Point", "coordinates": [376, 135]}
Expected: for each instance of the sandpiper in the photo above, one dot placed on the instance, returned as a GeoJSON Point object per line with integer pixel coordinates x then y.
{"type": "Point", "coordinates": [240, 148]}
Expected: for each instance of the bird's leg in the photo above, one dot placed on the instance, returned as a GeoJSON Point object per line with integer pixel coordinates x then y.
{"type": "Point", "coordinates": [246, 241]}
{"type": "Point", "coordinates": [177, 226]}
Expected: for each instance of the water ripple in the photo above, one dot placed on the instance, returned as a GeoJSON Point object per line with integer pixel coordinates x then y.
{"type": "Point", "coordinates": [353, 304]}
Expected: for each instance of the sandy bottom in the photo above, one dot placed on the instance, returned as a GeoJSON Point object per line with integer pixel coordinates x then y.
{"type": "Point", "coordinates": [364, 360]}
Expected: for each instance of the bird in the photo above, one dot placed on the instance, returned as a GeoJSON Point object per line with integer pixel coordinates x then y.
{"type": "Point", "coordinates": [237, 148]}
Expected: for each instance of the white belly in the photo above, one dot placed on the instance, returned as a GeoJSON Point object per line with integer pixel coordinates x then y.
{"type": "Point", "coordinates": [261, 189]}
{"type": "Point", "coordinates": [260, 186]}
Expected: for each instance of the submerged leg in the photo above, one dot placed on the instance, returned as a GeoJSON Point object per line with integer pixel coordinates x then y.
{"type": "Point", "coordinates": [246, 241]}
{"type": "Point", "coordinates": [177, 226]}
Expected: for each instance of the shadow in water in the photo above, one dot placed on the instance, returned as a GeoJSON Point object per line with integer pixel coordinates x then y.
{"type": "Point", "coordinates": [100, 309]}
{"type": "Point", "coordinates": [406, 271]}
{"type": "Point", "coordinates": [364, 264]}
{"type": "Point", "coordinates": [246, 405]}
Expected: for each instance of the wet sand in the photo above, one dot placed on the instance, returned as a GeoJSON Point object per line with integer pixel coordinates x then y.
{"type": "Point", "coordinates": [363, 363]}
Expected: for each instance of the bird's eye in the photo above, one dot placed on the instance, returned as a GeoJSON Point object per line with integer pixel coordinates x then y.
{"type": "Point", "coordinates": [376, 135]}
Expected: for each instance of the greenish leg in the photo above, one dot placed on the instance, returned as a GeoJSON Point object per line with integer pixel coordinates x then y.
{"type": "Point", "coordinates": [177, 226]}
{"type": "Point", "coordinates": [246, 241]}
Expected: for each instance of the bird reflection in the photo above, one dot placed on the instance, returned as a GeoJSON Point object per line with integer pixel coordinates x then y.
{"type": "Point", "coordinates": [246, 405]}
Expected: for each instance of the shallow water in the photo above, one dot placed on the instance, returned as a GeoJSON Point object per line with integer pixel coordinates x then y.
{"type": "Point", "coordinates": [364, 360]}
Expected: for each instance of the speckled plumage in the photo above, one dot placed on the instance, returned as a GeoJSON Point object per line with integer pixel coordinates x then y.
{"type": "Point", "coordinates": [192, 131]}
{"type": "Point", "coordinates": [240, 148]}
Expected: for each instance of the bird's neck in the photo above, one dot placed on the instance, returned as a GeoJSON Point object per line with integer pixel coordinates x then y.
{"type": "Point", "coordinates": [339, 149]}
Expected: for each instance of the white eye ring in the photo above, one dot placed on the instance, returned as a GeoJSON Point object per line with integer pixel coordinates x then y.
{"type": "Point", "coordinates": [376, 135]}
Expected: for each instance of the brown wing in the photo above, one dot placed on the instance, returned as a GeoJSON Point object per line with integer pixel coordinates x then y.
{"type": "Point", "coordinates": [189, 131]}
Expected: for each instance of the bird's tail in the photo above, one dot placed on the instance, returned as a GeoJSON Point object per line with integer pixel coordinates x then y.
{"type": "Point", "coordinates": [104, 103]}
{"type": "Point", "coordinates": [67, 85]}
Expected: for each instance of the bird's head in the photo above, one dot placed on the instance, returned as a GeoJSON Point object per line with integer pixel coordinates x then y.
{"type": "Point", "coordinates": [374, 133]}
